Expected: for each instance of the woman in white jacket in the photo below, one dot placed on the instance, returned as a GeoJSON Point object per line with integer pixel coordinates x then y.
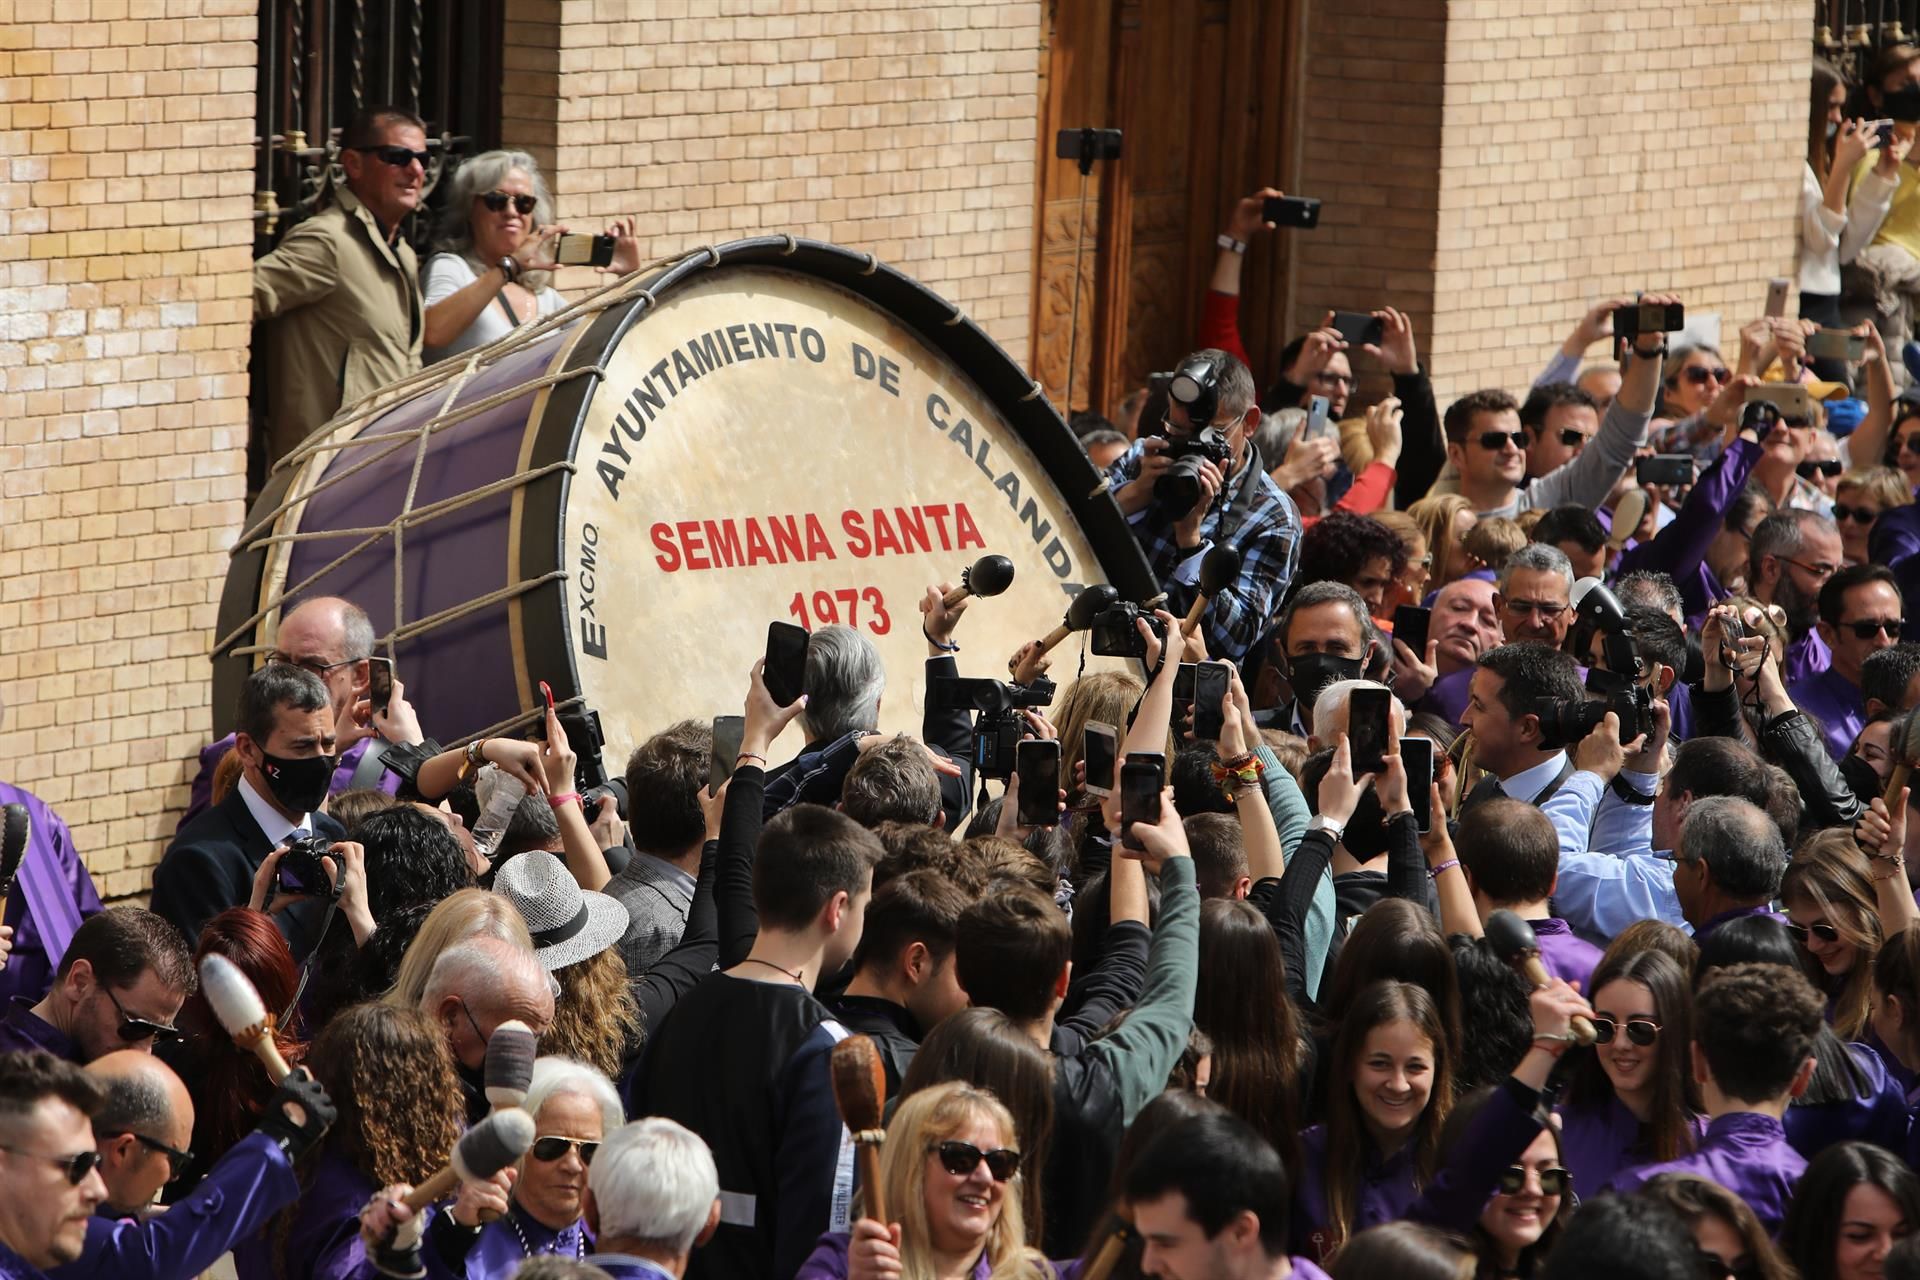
{"type": "Point", "coordinates": [1834, 227]}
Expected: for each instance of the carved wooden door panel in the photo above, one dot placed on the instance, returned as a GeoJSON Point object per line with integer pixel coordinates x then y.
{"type": "Point", "coordinates": [1203, 90]}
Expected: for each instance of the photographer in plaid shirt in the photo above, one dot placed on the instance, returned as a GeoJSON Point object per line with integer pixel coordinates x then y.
{"type": "Point", "coordinates": [1234, 503]}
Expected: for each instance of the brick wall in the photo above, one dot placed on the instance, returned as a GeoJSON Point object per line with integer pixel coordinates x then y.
{"type": "Point", "coordinates": [125, 173]}
{"type": "Point", "coordinates": [1544, 154]}
{"type": "Point", "coordinates": [905, 127]}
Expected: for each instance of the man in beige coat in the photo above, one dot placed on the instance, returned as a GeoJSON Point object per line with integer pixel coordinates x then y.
{"type": "Point", "coordinates": [343, 289]}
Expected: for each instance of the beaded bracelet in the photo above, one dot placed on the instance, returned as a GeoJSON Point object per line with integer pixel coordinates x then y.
{"type": "Point", "coordinates": [1245, 773]}
{"type": "Point", "coordinates": [1433, 873]}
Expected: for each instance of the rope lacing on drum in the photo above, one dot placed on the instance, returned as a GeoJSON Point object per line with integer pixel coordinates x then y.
{"type": "Point", "coordinates": [1100, 488]}
{"type": "Point", "coordinates": [341, 433]}
{"type": "Point", "coordinates": [793, 246]}
{"type": "Point", "coordinates": [1034, 393]}
{"type": "Point", "coordinates": [958, 316]}
{"type": "Point", "coordinates": [873, 265]}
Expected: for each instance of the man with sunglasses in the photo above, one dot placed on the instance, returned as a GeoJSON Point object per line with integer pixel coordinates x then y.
{"type": "Point", "coordinates": [119, 986]}
{"type": "Point", "coordinates": [1790, 557]}
{"type": "Point", "coordinates": [1486, 444]}
{"type": "Point", "coordinates": [343, 287]}
{"type": "Point", "coordinates": [1559, 419]}
{"type": "Point", "coordinates": [49, 1171]}
{"type": "Point", "coordinates": [1861, 613]}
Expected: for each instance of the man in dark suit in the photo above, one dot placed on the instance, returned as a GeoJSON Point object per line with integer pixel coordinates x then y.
{"type": "Point", "coordinates": [285, 740]}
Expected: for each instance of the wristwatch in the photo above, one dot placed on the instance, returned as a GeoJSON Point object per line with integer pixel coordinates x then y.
{"type": "Point", "coordinates": [1226, 241]}
{"type": "Point", "coordinates": [1321, 822]}
{"type": "Point", "coordinates": [509, 267]}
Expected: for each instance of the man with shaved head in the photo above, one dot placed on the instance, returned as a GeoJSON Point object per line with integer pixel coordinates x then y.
{"type": "Point", "coordinates": [142, 1129]}
{"type": "Point", "coordinates": [332, 638]}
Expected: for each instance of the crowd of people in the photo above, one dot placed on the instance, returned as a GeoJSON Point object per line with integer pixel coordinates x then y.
{"type": "Point", "coordinates": [1536, 901]}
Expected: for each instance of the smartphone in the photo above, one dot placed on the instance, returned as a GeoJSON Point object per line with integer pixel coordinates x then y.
{"type": "Point", "coordinates": [1316, 425]}
{"type": "Point", "coordinates": [786, 672]}
{"type": "Point", "coordinates": [1292, 211]}
{"type": "Point", "coordinates": [1141, 778]}
{"type": "Point", "coordinates": [1100, 749]}
{"type": "Point", "coordinates": [1777, 297]}
{"type": "Point", "coordinates": [379, 684]}
{"type": "Point", "coordinates": [1358, 328]}
{"type": "Point", "coordinates": [727, 731]}
{"type": "Point", "coordinates": [1367, 712]}
{"type": "Point", "coordinates": [1417, 755]}
{"type": "Point", "coordinates": [1790, 399]}
{"type": "Point", "coordinates": [1411, 623]}
{"type": "Point", "coordinates": [1648, 317]}
{"type": "Point", "coordinates": [1209, 690]}
{"type": "Point", "coordinates": [1037, 761]}
{"type": "Point", "coordinates": [1183, 682]}
{"type": "Point", "coordinates": [583, 251]}
{"type": "Point", "coordinates": [1881, 130]}
{"type": "Point", "coordinates": [1836, 344]}
{"type": "Point", "coordinates": [1664, 468]}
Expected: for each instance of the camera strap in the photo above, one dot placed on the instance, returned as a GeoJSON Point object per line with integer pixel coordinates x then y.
{"type": "Point", "coordinates": [326, 922]}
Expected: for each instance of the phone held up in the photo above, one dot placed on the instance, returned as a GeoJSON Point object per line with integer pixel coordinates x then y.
{"type": "Point", "coordinates": [1210, 687]}
{"type": "Point", "coordinates": [1037, 761]}
{"type": "Point", "coordinates": [727, 732]}
{"type": "Point", "coordinates": [785, 674]}
{"type": "Point", "coordinates": [1359, 329]}
{"type": "Point", "coordinates": [1100, 753]}
{"type": "Point", "coordinates": [379, 684]}
{"type": "Point", "coordinates": [1141, 778]}
{"type": "Point", "coordinates": [583, 251]}
{"type": "Point", "coordinates": [1292, 211]}
{"type": "Point", "coordinates": [1367, 712]}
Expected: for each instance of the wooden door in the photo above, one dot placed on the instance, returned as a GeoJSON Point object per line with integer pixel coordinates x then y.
{"type": "Point", "coordinates": [1203, 91]}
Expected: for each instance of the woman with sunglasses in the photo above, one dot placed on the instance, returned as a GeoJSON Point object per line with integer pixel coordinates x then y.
{"type": "Point", "coordinates": [573, 1107]}
{"type": "Point", "coordinates": [1630, 1099]}
{"type": "Point", "coordinates": [1854, 1201]}
{"type": "Point", "coordinates": [1828, 894]}
{"type": "Point", "coordinates": [1903, 445]}
{"type": "Point", "coordinates": [492, 271]}
{"type": "Point", "coordinates": [1692, 376]}
{"type": "Point", "coordinates": [1728, 1240]}
{"type": "Point", "coordinates": [951, 1171]}
{"type": "Point", "coordinates": [1859, 498]}
{"type": "Point", "coordinates": [1446, 519]}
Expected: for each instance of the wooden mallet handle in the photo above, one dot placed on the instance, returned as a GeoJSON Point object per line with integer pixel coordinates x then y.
{"type": "Point", "coordinates": [435, 1188]}
{"type": "Point", "coordinates": [1896, 781]}
{"type": "Point", "coordinates": [1192, 621]}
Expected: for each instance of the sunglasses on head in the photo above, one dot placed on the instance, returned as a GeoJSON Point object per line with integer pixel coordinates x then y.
{"type": "Point", "coordinates": [1553, 1182]}
{"type": "Point", "coordinates": [1495, 441]}
{"type": "Point", "coordinates": [1868, 628]}
{"type": "Point", "coordinates": [548, 1150]}
{"type": "Point", "coordinates": [1823, 467]}
{"type": "Point", "coordinates": [1640, 1031]}
{"type": "Point", "coordinates": [497, 201]}
{"type": "Point", "coordinates": [133, 1030]}
{"type": "Point", "coordinates": [76, 1166]}
{"type": "Point", "coordinates": [398, 157]}
{"type": "Point", "coordinates": [1823, 931]}
{"type": "Point", "coordinates": [1699, 374]}
{"type": "Point", "coordinates": [961, 1158]}
{"type": "Point", "coordinates": [1864, 515]}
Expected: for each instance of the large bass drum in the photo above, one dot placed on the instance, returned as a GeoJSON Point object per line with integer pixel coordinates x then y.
{"type": "Point", "coordinates": [619, 499]}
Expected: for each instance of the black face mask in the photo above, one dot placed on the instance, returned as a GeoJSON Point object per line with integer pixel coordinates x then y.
{"type": "Point", "coordinates": [299, 785]}
{"type": "Point", "coordinates": [1312, 673]}
{"type": "Point", "coordinates": [1902, 104]}
{"type": "Point", "coordinates": [1861, 779]}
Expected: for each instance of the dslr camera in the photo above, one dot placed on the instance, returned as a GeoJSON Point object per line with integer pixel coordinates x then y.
{"type": "Point", "coordinates": [1115, 636]}
{"type": "Point", "coordinates": [999, 726]}
{"type": "Point", "coordinates": [301, 870]}
{"type": "Point", "coordinates": [1195, 387]}
{"type": "Point", "coordinates": [1562, 724]}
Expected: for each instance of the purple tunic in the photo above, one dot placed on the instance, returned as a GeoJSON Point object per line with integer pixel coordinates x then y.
{"type": "Point", "coordinates": [15, 1267]}
{"type": "Point", "coordinates": [1837, 703]}
{"type": "Point", "coordinates": [1569, 958]}
{"type": "Point", "coordinates": [499, 1251]}
{"type": "Point", "coordinates": [1879, 1116]}
{"type": "Point", "coordinates": [828, 1261]}
{"type": "Point", "coordinates": [1744, 1151]}
{"type": "Point", "coordinates": [23, 1029]}
{"type": "Point", "coordinates": [1387, 1188]}
{"type": "Point", "coordinates": [1448, 697]}
{"type": "Point", "coordinates": [323, 1241]}
{"type": "Point", "coordinates": [1806, 657]}
{"type": "Point", "coordinates": [51, 867]}
{"type": "Point", "coordinates": [1598, 1139]}
{"type": "Point", "coordinates": [1738, 913]}
{"type": "Point", "coordinates": [1681, 547]}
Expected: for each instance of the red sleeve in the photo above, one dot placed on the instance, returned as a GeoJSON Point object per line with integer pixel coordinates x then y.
{"type": "Point", "coordinates": [1368, 491]}
{"type": "Point", "coordinates": [1220, 325]}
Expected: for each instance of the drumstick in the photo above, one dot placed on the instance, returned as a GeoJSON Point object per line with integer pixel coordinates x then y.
{"type": "Point", "coordinates": [1218, 568]}
{"type": "Point", "coordinates": [987, 576]}
{"type": "Point", "coordinates": [860, 1091]}
{"type": "Point", "coordinates": [511, 1050]}
{"type": "Point", "coordinates": [1086, 606]}
{"type": "Point", "coordinates": [1119, 1234]}
{"type": "Point", "coordinates": [482, 1151]}
{"type": "Point", "coordinates": [1513, 940]}
{"type": "Point", "coordinates": [16, 827]}
{"type": "Point", "coordinates": [237, 1004]}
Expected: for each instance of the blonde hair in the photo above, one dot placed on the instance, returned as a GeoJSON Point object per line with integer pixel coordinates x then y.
{"type": "Point", "coordinates": [1883, 484]}
{"type": "Point", "coordinates": [1105, 696]}
{"type": "Point", "coordinates": [922, 1121]}
{"type": "Point", "coordinates": [1403, 525]}
{"type": "Point", "coordinates": [1436, 515]}
{"type": "Point", "coordinates": [1493, 539]}
{"type": "Point", "coordinates": [595, 1017]}
{"type": "Point", "coordinates": [463, 914]}
{"type": "Point", "coordinates": [1830, 873]}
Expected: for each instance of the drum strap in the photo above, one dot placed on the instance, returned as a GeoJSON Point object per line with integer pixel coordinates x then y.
{"type": "Point", "coordinates": [513, 317]}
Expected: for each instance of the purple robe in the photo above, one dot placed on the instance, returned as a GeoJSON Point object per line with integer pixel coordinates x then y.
{"type": "Point", "coordinates": [1387, 1188]}
{"type": "Point", "coordinates": [15, 1267]}
{"type": "Point", "coordinates": [1680, 548]}
{"type": "Point", "coordinates": [323, 1241]}
{"type": "Point", "coordinates": [1806, 657]}
{"type": "Point", "coordinates": [1746, 1152]}
{"type": "Point", "coordinates": [200, 797]}
{"type": "Point", "coordinates": [1600, 1138]}
{"type": "Point", "coordinates": [499, 1251]}
{"type": "Point", "coordinates": [1565, 956]}
{"type": "Point", "coordinates": [1878, 1116]}
{"type": "Point", "coordinates": [1837, 703]}
{"type": "Point", "coordinates": [1737, 913]}
{"type": "Point", "coordinates": [52, 895]}
{"type": "Point", "coordinates": [23, 1029]}
{"type": "Point", "coordinates": [1448, 697]}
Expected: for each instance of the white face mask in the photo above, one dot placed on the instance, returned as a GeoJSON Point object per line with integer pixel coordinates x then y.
{"type": "Point", "coordinates": [1833, 131]}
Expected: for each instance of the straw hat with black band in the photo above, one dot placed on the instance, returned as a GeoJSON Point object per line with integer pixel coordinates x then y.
{"type": "Point", "coordinates": [568, 923]}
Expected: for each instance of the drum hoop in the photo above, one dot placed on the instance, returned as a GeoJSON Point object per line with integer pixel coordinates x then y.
{"type": "Point", "coordinates": [540, 485]}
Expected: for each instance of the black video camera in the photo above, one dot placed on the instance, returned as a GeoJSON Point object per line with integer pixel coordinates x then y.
{"type": "Point", "coordinates": [1562, 724]}
{"type": "Point", "coordinates": [1195, 387]}
{"type": "Point", "coordinates": [1114, 634]}
{"type": "Point", "coordinates": [999, 726]}
{"type": "Point", "coordinates": [301, 870]}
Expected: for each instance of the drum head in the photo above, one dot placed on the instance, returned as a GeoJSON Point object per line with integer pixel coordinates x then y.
{"type": "Point", "coordinates": [771, 431]}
